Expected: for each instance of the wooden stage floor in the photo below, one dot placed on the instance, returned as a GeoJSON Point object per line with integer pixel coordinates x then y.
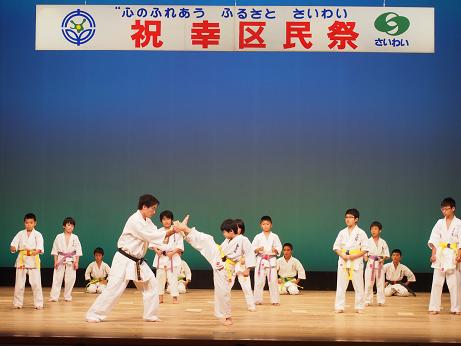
{"type": "Point", "coordinates": [307, 318]}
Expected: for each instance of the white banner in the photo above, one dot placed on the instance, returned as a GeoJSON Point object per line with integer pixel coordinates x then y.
{"type": "Point", "coordinates": [240, 28]}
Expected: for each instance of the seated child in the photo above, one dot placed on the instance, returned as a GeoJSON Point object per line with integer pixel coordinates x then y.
{"type": "Point", "coordinates": [395, 273]}
{"type": "Point", "coordinates": [97, 272]}
{"type": "Point", "coordinates": [184, 278]}
{"type": "Point", "coordinates": [290, 271]}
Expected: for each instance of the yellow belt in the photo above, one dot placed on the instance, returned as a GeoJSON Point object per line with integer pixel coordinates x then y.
{"type": "Point", "coordinates": [94, 281]}
{"type": "Point", "coordinates": [350, 271]}
{"type": "Point", "coordinates": [227, 263]}
{"type": "Point", "coordinates": [452, 246]}
{"type": "Point", "coordinates": [23, 253]}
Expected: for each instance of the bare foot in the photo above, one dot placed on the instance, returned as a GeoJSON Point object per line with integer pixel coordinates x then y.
{"type": "Point", "coordinates": [160, 299]}
{"type": "Point", "coordinates": [153, 319]}
{"type": "Point", "coordinates": [228, 321]}
{"type": "Point", "coordinates": [359, 311]}
{"type": "Point", "coordinates": [90, 320]}
{"type": "Point", "coordinates": [175, 300]}
{"type": "Point", "coordinates": [339, 311]}
{"type": "Point", "coordinates": [275, 304]}
{"type": "Point", "coordinates": [434, 312]}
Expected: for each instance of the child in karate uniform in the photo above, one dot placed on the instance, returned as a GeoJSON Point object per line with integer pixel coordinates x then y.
{"type": "Point", "coordinates": [377, 254]}
{"type": "Point", "coordinates": [29, 245]}
{"type": "Point", "coordinates": [168, 259]}
{"type": "Point", "coordinates": [222, 259]}
{"type": "Point", "coordinates": [395, 273]}
{"type": "Point", "coordinates": [444, 243]}
{"type": "Point", "coordinates": [184, 278]}
{"type": "Point", "coordinates": [267, 247]}
{"type": "Point", "coordinates": [243, 267]}
{"type": "Point", "coordinates": [66, 251]}
{"type": "Point", "coordinates": [290, 271]}
{"type": "Point", "coordinates": [350, 246]}
{"type": "Point", "coordinates": [97, 272]}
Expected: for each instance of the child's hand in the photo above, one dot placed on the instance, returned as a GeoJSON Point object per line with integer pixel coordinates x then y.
{"type": "Point", "coordinates": [56, 265]}
{"type": "Point", "coordinates": [246, 272]}
{"type": "Point", "coordinates": [365, 257]}
{"type": "Point", "coordinates": [274, 250]}
{"type": "Point", "coordinates": [260, 249]}
{"type": "Point", "coordinates": [433, 258]}
{"type": "Point", "coordinates": [458, 259]}
{"type": "Point", "coordinates": [279, 281]}
{"type": "Point", "coordinates": [170, 254]}
{"type": "Point", "coordinates": [75, 265]}
{"type": "Point", "coordinates": [104, 282]}
{"type": "Point", "coordinates": [12, 249]}
{"type": "Point", "coordinates": [158, 252]}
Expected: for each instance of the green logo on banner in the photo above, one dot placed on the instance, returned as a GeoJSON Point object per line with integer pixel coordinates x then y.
{"type": "Point", "coordinates": [391, 23]}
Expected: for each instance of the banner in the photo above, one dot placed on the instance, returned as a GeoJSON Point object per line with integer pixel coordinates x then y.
{"type": "Point", "coordinates": [239, 28]}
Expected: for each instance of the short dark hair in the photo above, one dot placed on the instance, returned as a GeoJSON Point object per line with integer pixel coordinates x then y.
{"type": "Point", "coordinates": [448, 202]}
{"type": "Point", "coordinates": [289, 245]}
{"type": "Point", "coordinates": [68, 220]}
{"type": "Point", "coordinates": [240, 224]}
{"type": "Point", "coordinates": [229, 225]}
{"type": "Point", "coordinates": [30, 216]}
{"type": "Point", "coordinates": [266, 218]}
{"type": "Point", "coordinates": [98, 250]}
{"type": "Point", "coordinates": [397, 251]}
{"type": "Point", "coordinates": [166, 213]}
{"type": "Point", "coordinates": [376, 224]}
{"type": "Point", "coordinates": [148, 201]}
{"type": "Point", "coordinates": [354, 212]}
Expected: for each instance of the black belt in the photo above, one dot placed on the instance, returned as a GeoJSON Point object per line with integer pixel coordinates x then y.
{"type": "Point", "coordinates": [134, 259]}
{"type": "Point", "coordinates": [401, 282]}
{"type": "Point", "coordinates": [224, 259]}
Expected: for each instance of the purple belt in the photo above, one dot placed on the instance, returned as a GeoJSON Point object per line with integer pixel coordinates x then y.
{"type": "Point", "coordinates": [65, 255]}
{"type": "Point", "coordinates": [373, 267]}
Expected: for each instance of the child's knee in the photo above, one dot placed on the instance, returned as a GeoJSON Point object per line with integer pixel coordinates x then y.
{"type": "Point", "coordinates": [293, 290]}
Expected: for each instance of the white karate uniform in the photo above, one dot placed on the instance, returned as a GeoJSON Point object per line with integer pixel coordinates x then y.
{"type": "Point", "coordinates": [379, 250]}
{"type": "Point", "coordinates": [134, 240]}
{"type": "Point", "coordinates": [223, 272]}
{"type": "Point", "coordinates": [93, 271]}
{"type": "Point", "coordinates": [168, 269]}
{"type": "Point", "coordinates": [445, 264]}
{"type": "Point", "coordinates": [66, 270]}
{"type": "Point", "coordinates": [184, 275]}
{"type": "Point", "coordinates": [24, 242]}
{"type": "Point", "coordinates": [290, 269]}
{"type": "Point", "coordinates": [266, 267]}
{"type": "Point", "coordinates": [356, 240]}
{"type": "Point", "coordinates": [396, 274]}
{"type": "Point", "coordinates": [250, 261]}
